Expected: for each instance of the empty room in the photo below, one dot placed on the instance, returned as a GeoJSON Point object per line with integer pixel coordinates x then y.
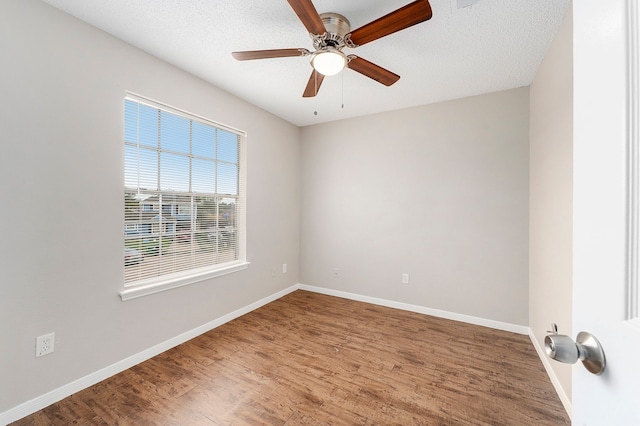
{"type": "Point", "coordinates": [330, 212]}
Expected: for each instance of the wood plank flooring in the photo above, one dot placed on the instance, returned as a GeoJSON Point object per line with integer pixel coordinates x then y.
{"type": "Point", "coordinates": [311, 359]}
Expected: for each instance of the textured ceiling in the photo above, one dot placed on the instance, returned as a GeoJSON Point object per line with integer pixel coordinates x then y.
{"type": "Point", "coordinates": [488, 46]}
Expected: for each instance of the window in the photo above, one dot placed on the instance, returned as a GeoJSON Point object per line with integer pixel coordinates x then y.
{"type": "Point", "coordinates": [183, 198]}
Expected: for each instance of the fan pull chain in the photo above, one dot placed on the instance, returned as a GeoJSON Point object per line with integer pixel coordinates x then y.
{"type": "Point", "coordinates": [342, 88]}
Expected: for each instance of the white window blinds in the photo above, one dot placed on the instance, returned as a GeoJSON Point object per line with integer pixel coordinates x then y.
{"type": "Point", "coordinates": [183, 193]}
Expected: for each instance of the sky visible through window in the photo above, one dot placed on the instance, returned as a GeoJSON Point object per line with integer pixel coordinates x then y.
{"type": "Point", "coordinates": [156, 139]}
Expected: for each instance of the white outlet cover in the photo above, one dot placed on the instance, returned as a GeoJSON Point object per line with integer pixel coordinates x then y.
{"type": "Point", "coordinates": [45, 344]}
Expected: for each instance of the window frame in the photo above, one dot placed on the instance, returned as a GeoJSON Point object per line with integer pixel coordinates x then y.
{"type": "Point", "coordinates": [181, 278]}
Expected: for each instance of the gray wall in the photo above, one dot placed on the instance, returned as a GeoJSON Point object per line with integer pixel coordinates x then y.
{"type": "Point", "coordinates": [62, 85]}
{"type": "Point", "coordinates": [551, 197]}
{"type": "Point", "coordinates": [439, 192]}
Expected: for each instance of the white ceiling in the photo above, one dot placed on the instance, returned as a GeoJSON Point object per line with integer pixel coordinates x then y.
{"type": "Point", "coordinates": [489, 46]}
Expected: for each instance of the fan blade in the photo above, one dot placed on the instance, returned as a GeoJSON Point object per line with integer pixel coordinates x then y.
{"type": "Point", "coordinates": [405, 17]}
{"type": "Point", "coordinates": [372, 70]}
{"type": "Point", "coordinates": [313, 85]}
{"type": "Point", "coordinates": [308, 14]}
{"type": "Point", "coordinates": [266, 54]}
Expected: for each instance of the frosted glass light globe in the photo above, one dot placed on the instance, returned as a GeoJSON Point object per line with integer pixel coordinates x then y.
{"type": "Point", "coordinates": [329, 61]}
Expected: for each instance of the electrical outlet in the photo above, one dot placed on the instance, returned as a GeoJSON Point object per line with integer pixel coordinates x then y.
{"type": "Point", "coordinates": [45, 344]}
{"type": "Point", "coordinates": [405, 278]}
{"type": "Point", "coordinates": [284, 268]}
{"type": "Point", "coordinates": [336, 273]}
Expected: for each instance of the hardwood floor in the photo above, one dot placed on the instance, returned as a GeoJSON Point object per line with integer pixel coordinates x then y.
{"type": "Point", "coordinates": [311, 359]}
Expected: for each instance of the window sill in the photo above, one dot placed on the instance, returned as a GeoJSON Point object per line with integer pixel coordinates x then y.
{"type": "Point", "coordinates": [156, 286]}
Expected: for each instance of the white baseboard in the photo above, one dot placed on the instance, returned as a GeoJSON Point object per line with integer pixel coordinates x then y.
{"type": "Point", "coordinates": [546, 362]}
{"type": "Point", "coordinates": [62, 392]}
{"type": "Point", "coordinates": [514, 328]}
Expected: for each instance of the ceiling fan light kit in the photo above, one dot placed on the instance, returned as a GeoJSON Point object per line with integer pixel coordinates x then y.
{"type": "Point", "coordinates": [331, 32]}
{"type": "Point", "coordinates": [328, 61]}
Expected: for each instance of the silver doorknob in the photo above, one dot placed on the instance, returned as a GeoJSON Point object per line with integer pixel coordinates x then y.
{"type": "Point", "coordinates": [586, 348]}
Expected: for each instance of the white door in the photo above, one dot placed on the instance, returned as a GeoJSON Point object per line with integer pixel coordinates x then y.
{"type": "Point", "coordinates": [604, 280]}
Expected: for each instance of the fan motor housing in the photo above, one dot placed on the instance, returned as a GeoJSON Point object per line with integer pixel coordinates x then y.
{"type": "Point", "coordinates": [337, 27]}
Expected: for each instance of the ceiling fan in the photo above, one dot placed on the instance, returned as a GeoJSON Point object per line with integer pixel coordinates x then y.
{"type": "Point", "coordinates": [331, 32]}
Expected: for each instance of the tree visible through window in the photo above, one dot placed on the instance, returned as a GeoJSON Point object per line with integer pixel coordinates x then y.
{"type": "Point", "coordinates": [183, 204]}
